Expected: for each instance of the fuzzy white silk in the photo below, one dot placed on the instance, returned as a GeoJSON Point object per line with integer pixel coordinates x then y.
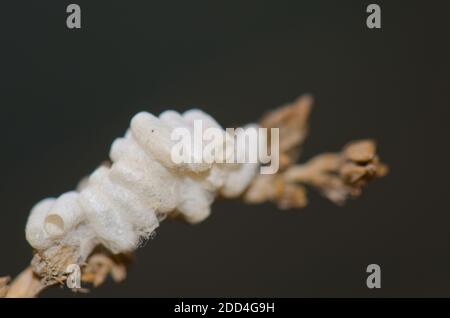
{"type": "Point", "coordinates": [120, 205]}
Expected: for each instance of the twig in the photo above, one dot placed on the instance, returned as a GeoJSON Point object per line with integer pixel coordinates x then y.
{"type": "Point", "coordinates": [338, 176]}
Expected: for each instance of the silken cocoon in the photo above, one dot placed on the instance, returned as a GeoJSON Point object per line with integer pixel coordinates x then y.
{"type": "Point", "coordinates": [122, 204]}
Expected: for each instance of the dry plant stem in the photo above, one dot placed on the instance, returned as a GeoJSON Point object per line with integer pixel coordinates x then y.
{"type": "Point", "coordinates": [25, 285]}
{"type": "Point", "coordinates": [338, 176]}
{"type": "Point", "coordinates": [100, 264]}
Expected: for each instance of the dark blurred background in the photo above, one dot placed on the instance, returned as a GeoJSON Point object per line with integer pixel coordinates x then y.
{"type": "Point", "coordinates": [66, 94]}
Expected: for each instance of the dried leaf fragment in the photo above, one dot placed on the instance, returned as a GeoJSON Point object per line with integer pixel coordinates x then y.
{"type": "Point", "coordinates": [338, 176]}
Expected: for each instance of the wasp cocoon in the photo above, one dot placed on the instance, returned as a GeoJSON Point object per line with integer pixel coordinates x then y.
{"type": "Point", "coordinates": [120, 205]}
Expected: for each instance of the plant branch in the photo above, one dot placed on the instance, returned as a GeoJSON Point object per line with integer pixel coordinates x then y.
{"type": "Point", "coordinates": [338, 176]}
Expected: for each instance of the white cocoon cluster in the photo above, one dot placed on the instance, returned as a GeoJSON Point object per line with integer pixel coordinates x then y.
{"type": "Point", "coordinates": [120, 205]}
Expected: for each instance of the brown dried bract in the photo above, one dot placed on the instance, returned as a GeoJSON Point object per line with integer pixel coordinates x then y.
{"type": "Point", "coordinates": [337, 176]}
{"type": "Point", "coordinates": [292, 122]}
{"type": "Point", "coordinates": [102, 263]}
